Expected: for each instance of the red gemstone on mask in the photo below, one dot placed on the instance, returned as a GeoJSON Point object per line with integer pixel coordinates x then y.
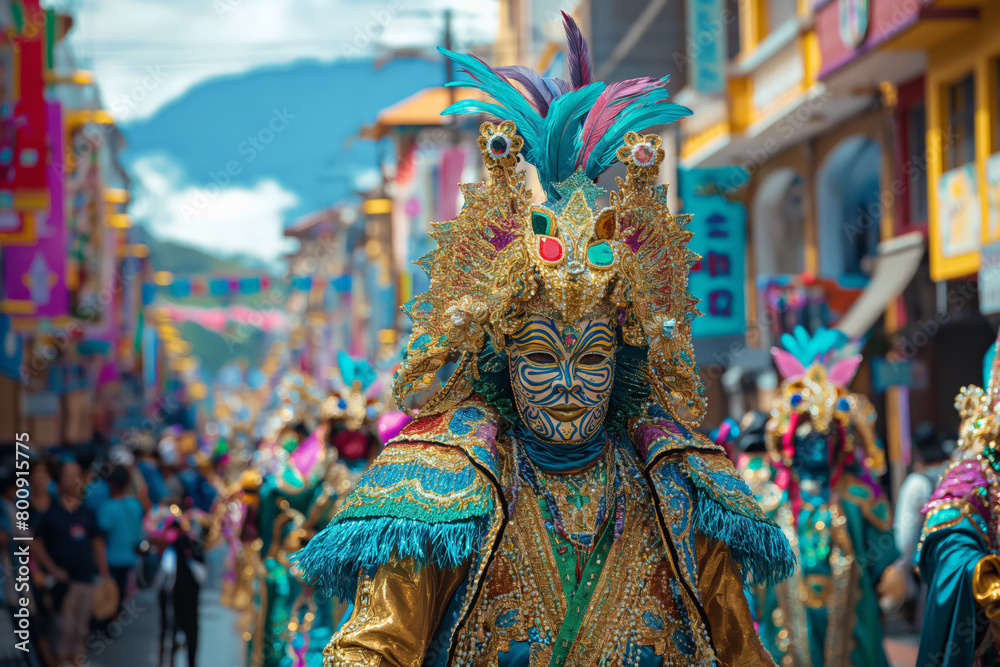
{"type": "Point", "coordinates": [550, 249]}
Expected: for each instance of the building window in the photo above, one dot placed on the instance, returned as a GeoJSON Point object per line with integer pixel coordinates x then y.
{"type": "Point", "coordinates": [916, 168]}
{"type": "Point", "coordinates": [779, 11]}
{"type": "Point", "coordinates": [961, 122]}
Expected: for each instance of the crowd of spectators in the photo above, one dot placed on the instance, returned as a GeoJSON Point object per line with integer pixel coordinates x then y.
{"type": "Point", "coordinates": [101, 529]}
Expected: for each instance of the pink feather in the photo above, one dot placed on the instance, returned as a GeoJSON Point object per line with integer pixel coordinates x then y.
{"type": "Point", "coordinates": [605, 111]}
{"type": "Point", "coordinates": [842, 372]}
{"type": "Point", "coordinates": [788, 365]}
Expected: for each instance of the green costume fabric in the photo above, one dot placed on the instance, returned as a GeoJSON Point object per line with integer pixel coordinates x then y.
{"type": "Point", "coordinates": [954, 626]}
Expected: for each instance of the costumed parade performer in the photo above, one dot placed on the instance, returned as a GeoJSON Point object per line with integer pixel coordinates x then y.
{"type": "Point", "coordinates": [294, 498]}
{"type": "Point", "coordinates": [304, 485]}
{"type": "Point", "coordinates": [552, 504]}
{"type": "Point", "coordinates": [959, 551]}
{"type": "Point", "coordinates": [819, 482]}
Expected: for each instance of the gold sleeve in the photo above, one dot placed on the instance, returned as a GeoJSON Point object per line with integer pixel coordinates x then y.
{"type": "Point", "coordinates": [986, 585]}
{"type": "Point", "coordinates": [396, 612]}
{"type": "Point", "coordinates": [721, 589]}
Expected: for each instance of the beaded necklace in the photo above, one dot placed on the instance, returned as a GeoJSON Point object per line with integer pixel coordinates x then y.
{"type": "Point", "coordinates": [582, 542]}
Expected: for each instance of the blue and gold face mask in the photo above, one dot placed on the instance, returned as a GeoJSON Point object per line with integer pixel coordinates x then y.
{"type": "Point", "coordinates": [562, 375]}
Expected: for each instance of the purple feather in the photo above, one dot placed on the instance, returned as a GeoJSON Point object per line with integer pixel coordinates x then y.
{"type": "Point", "coordinates": [539, 94]}
{"type": "Point", "coordinates": [615, 97]}
{"type": "Point", "coordinates": [540, 91]}
{"type": "Point", "coordinates": [581, 68]}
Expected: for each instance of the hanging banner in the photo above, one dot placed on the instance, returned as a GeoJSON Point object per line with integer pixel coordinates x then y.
{"type": "Point", "coordinates": [719, 227]}
{"type": "Point", "coordinates": [25, 175]}
{"type": "Point", "coordinates": [34, 276]}
{"type": "Point", "coordinates": [217, 319]}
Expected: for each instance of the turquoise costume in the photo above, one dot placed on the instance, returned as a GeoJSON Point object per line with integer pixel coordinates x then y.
{"type": "Point", "coordinates": [816, 482]}
{"type": "Point", "coordinates": [959, 555]}
{"type": "Point", "coordinates": [444, 498]}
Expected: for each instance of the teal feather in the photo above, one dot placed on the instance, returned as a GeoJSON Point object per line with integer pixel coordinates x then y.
{"type": "Point", "coordinates": [808, 349]}
{"type": "Point", "coordinates": [333, 559]}
{"type": "Point", "coordinates": [647, 110]}
{"type": "Point", "coordinates": [511, 103]}
{"type": "Point", "coordinates": [530, 132]}
{"type": "Point", "coordinates": [562, 135]}
{"type": "Point", "coordinates": [352, 370]}
{"type": "Point", "coordinates": [551, 119]}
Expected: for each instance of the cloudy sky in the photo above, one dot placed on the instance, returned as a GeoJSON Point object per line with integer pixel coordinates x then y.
{"type": "Point", "coordinates": [147, 53]}
{"type": "Point", "coordinates": [179, 43]}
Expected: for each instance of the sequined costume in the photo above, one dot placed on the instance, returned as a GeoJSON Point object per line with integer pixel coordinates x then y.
{"type": "Point", "coordinates": [599, 528]}
{"type": "Point", "coordinates": [818, 481]}
{"type": "Point", "coordinates": [959, 552]}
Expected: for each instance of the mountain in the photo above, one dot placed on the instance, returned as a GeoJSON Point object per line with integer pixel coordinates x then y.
{"type": "Point", "coordinates": [182, 260]}
{"type": "Point", "coordinates": [297, 125]}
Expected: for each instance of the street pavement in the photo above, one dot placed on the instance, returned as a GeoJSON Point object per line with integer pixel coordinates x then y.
{"type": "Point", "coordinates": [133, 640]}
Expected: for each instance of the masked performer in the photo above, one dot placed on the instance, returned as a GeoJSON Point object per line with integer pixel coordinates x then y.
{"type": "Point", "coordinates": [351, 416]}
{"type": "Point", "coordinates": [551, 504]}
{"type": "Point", "coordinates": [295, 499]}
{"type": "Point", "coordinates": [819, 483]}
{"type": "Point", "coordinates": [958, 552]}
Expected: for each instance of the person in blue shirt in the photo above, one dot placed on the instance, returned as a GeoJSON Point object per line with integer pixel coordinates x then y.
{"type": "Point", "coordinates": [149, 465]}
{"type": "Point", "coordinates": [120, 518]}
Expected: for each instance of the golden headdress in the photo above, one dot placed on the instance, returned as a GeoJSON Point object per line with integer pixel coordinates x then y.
{"type": "Point", "coordinates": [356, 395]}
{"type": "Point", "coordinates": [504, 258]}
{"type": "Point", "coordinates": [815, 387]}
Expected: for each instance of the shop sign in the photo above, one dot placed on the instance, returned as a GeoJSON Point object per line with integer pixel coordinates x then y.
{"type": "Point", "coordinates": [719, 227]}
{"type": "Point", "coordinates": [34, 276]}
{"type": "Point", "coordinates": [960, 219]}
{"type": "Point", "coordinates": [706, 48]}
{"type": "Point", "coordinates": [989, 279]}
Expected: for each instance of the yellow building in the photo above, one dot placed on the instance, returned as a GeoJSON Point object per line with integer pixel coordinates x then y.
{"type": "Point", "coordinates": [865, 127]}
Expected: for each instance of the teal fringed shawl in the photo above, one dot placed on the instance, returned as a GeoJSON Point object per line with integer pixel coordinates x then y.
{"type": "Point", "coordinates": [727, 510]}
{"type": "Point", "coordinates": [333, 559]}
{"type": "Point", "coordinates": [423, 502]}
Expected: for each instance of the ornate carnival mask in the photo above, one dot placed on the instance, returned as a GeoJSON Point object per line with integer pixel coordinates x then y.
{"type": "Point", "coordinates": [562, 376]}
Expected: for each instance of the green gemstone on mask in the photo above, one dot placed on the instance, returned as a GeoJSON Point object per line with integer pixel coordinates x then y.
{"type": "Point", "coordinates": [600, 254]}
{"type": "Point", "coordinates": [541, 223]}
